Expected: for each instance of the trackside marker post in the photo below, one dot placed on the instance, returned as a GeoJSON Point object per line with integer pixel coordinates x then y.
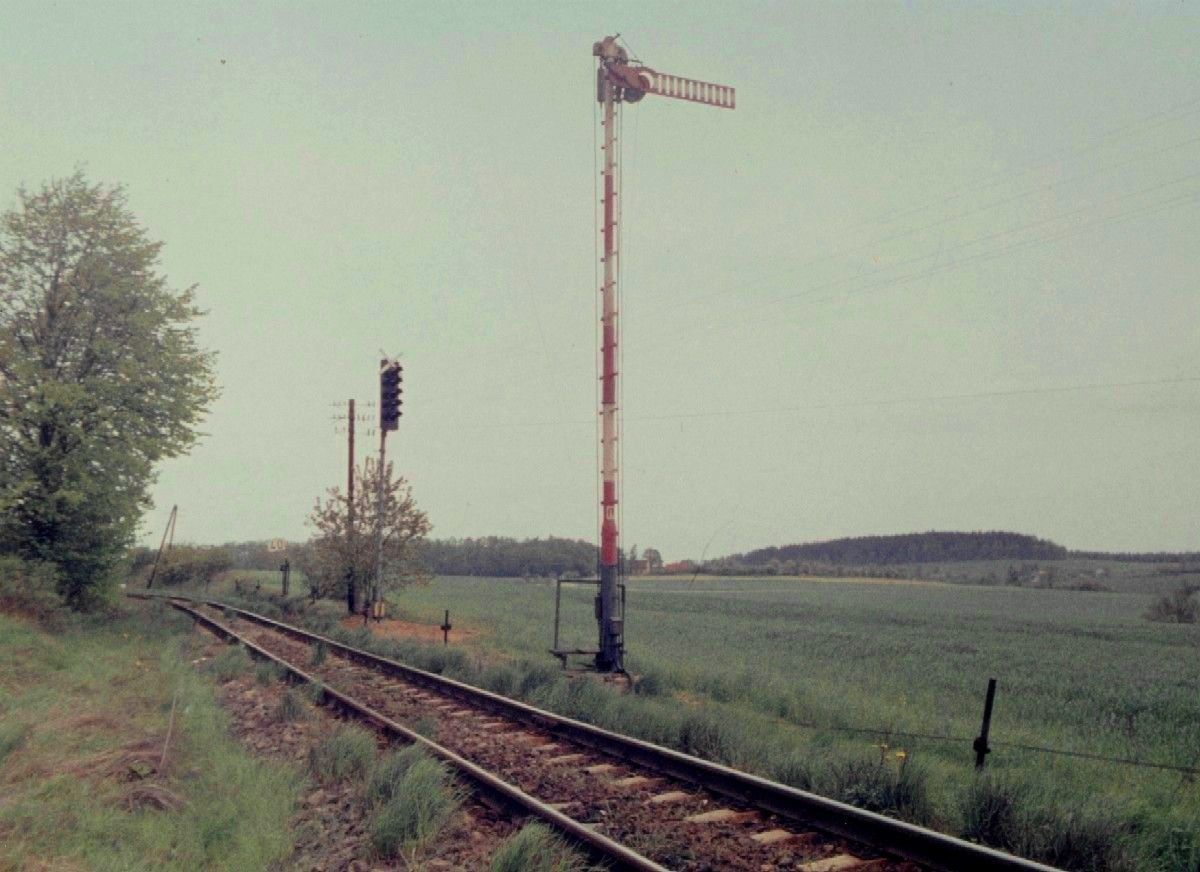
{"type": "Point", "coordinates": [981, 742]}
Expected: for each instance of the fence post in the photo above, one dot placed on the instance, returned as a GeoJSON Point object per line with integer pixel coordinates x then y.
{"type": "Point", "coordinates": [557, 604]}
{"type": "Point", "coordinates": [446, 629]}
{"type": "Point", "coordinates": [981, 742]}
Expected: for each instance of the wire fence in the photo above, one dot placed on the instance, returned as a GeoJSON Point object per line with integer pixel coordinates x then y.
{"type": "Point", "coordinates": [988, 744]}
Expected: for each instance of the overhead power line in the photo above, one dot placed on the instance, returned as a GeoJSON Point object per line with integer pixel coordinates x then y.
{"type": "Point", "coordinates": [913, 231]}
{"type": "Point", "coordinates": [848, 404]}
{"type": "Point", "coordinates": [1188, 198]}
{"type": "Point", "coordinates": [1156, 119]}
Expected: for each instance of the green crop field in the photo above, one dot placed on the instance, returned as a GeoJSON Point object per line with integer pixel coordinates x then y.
{"type": "Point", "coordinates": [801, 661]}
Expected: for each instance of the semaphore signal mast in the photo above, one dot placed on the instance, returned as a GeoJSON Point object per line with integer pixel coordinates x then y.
{"type": "Point", "coordinates": [618, 82]}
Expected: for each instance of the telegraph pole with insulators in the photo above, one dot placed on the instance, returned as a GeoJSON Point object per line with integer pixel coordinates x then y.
{"type": "Point", "coordinates": [618, 82]}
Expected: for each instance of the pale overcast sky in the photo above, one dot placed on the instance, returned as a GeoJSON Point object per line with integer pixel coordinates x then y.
{"type": "Point", "coordinates": [911, 203]}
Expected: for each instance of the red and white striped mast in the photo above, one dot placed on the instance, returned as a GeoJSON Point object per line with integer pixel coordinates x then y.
{"type": "Point", "coordinates": [617, 83]}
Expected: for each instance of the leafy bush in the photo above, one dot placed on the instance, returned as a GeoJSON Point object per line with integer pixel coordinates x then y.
{"type": "Point", "coordinates": [29, 587]}
{"type": "Point", "coordinates": [1177, 607]}
{"type": "Point", "coordinates": [536, 849]}
{"type": "Point", "coordinates": [186, 564]}
{"type": "Point", "coordinates": [346, 754]}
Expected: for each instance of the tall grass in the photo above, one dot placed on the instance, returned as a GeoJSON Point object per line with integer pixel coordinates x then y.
{"type": "Point", "coordinates": [347, 754]}
{"type": "Point", "coordinates": [1078, 834]}
{"type": "Point", "coordinates": [418, 804]}
{"type": "Point", "coordinates": [535, 848]}
{"type": "Point", "coordinates": [387, 775]}
{"type": "Point", "coordinates": [267, 673]}
{"type": "Point", "coordinates": [90, 691]}
{"type": "Point", "coordinates": [12, 737]}
{"type": "Point", "coordinates": [231, 663]}
{"type": "Point", "coordinates": [291, 706]}
{"type": "Point", "coordinates": [907, 659]}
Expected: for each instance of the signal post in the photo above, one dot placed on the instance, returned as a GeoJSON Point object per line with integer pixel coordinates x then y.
{"type": "Point", "coordinates": [618, 82]}
{"type": "Point", "coordinates": [391, 380]}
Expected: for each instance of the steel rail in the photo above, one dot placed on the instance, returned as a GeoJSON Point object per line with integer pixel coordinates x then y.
{"type": "Point", "coordinates": [612, 854]}
{"type": "Point", "coordinates": [898, 839]}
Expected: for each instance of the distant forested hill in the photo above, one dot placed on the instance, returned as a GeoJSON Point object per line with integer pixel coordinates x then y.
{"type": "Point", "coordinates": [908, 548]}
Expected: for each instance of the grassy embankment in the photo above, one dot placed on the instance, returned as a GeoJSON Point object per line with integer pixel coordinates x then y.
{"type": "Point", "coordinates": [85, 711]}
{"type": "Point", "coordinates": [755, 662]}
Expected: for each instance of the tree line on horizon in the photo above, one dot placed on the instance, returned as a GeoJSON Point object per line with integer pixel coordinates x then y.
{"type": "Point", "coordinates": [549, 557]}
{"type": "Point", "coordinates": [489, 556]}
{"type": "Point", "coordinates": [907, 549]}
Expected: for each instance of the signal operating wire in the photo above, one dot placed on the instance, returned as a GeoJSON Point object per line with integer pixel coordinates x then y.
{"type": "Point", "coordinates": [1016, 746]}
{"type": "Point", "coordinates": [932, 398]}
{"type": "Point", "coordinates": [697, 300]}
{"type": "Point", "coordinates": [1163, 117]}
{"type": "Point", "coordinates": [849, 404]}
{"type": "Point", "coordinates": [982, 257]}
{"type": "Point", "coordinates": [998, 234]}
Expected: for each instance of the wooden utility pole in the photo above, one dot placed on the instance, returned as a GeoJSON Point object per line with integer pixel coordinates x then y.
{"type": "Point", "coordinates": [170, 529]}
{"type": "Point", "coordinates": [351, 581]}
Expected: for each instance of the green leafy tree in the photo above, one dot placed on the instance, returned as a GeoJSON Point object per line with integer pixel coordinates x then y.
{"type": "Point", "coordinates": [101, 377]}
{"type": "Point", "coordinates": [337, 553]}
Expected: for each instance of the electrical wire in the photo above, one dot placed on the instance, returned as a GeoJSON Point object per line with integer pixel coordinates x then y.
{"type": "Point", "coordinates": [852, 404]}
{"type": "Point", "coordinates": [1001, 233]}
{"type": "Point", "coordinates": [1149, 121]}
{"type": "Point", "coordinates": [1039, 189]}
{"type": "Point", "coordinates": [983, 257]}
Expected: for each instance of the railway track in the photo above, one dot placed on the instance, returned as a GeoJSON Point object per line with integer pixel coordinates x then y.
{"type": "Point", "coordinates": [628, 803]}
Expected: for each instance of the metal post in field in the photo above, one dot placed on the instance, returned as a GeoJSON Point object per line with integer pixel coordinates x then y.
{"type": "Point", "coordinates": [446, 628]}
{"type": "Point", "coordinates": [285, 571]}
{"type": "Point", "coordinates": [557, 606]}
{"type": "Point", "coordinates": [981, 742]}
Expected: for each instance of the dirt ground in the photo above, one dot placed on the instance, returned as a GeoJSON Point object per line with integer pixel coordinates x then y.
{"type": "Point", "coordinates": [394, 628]}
